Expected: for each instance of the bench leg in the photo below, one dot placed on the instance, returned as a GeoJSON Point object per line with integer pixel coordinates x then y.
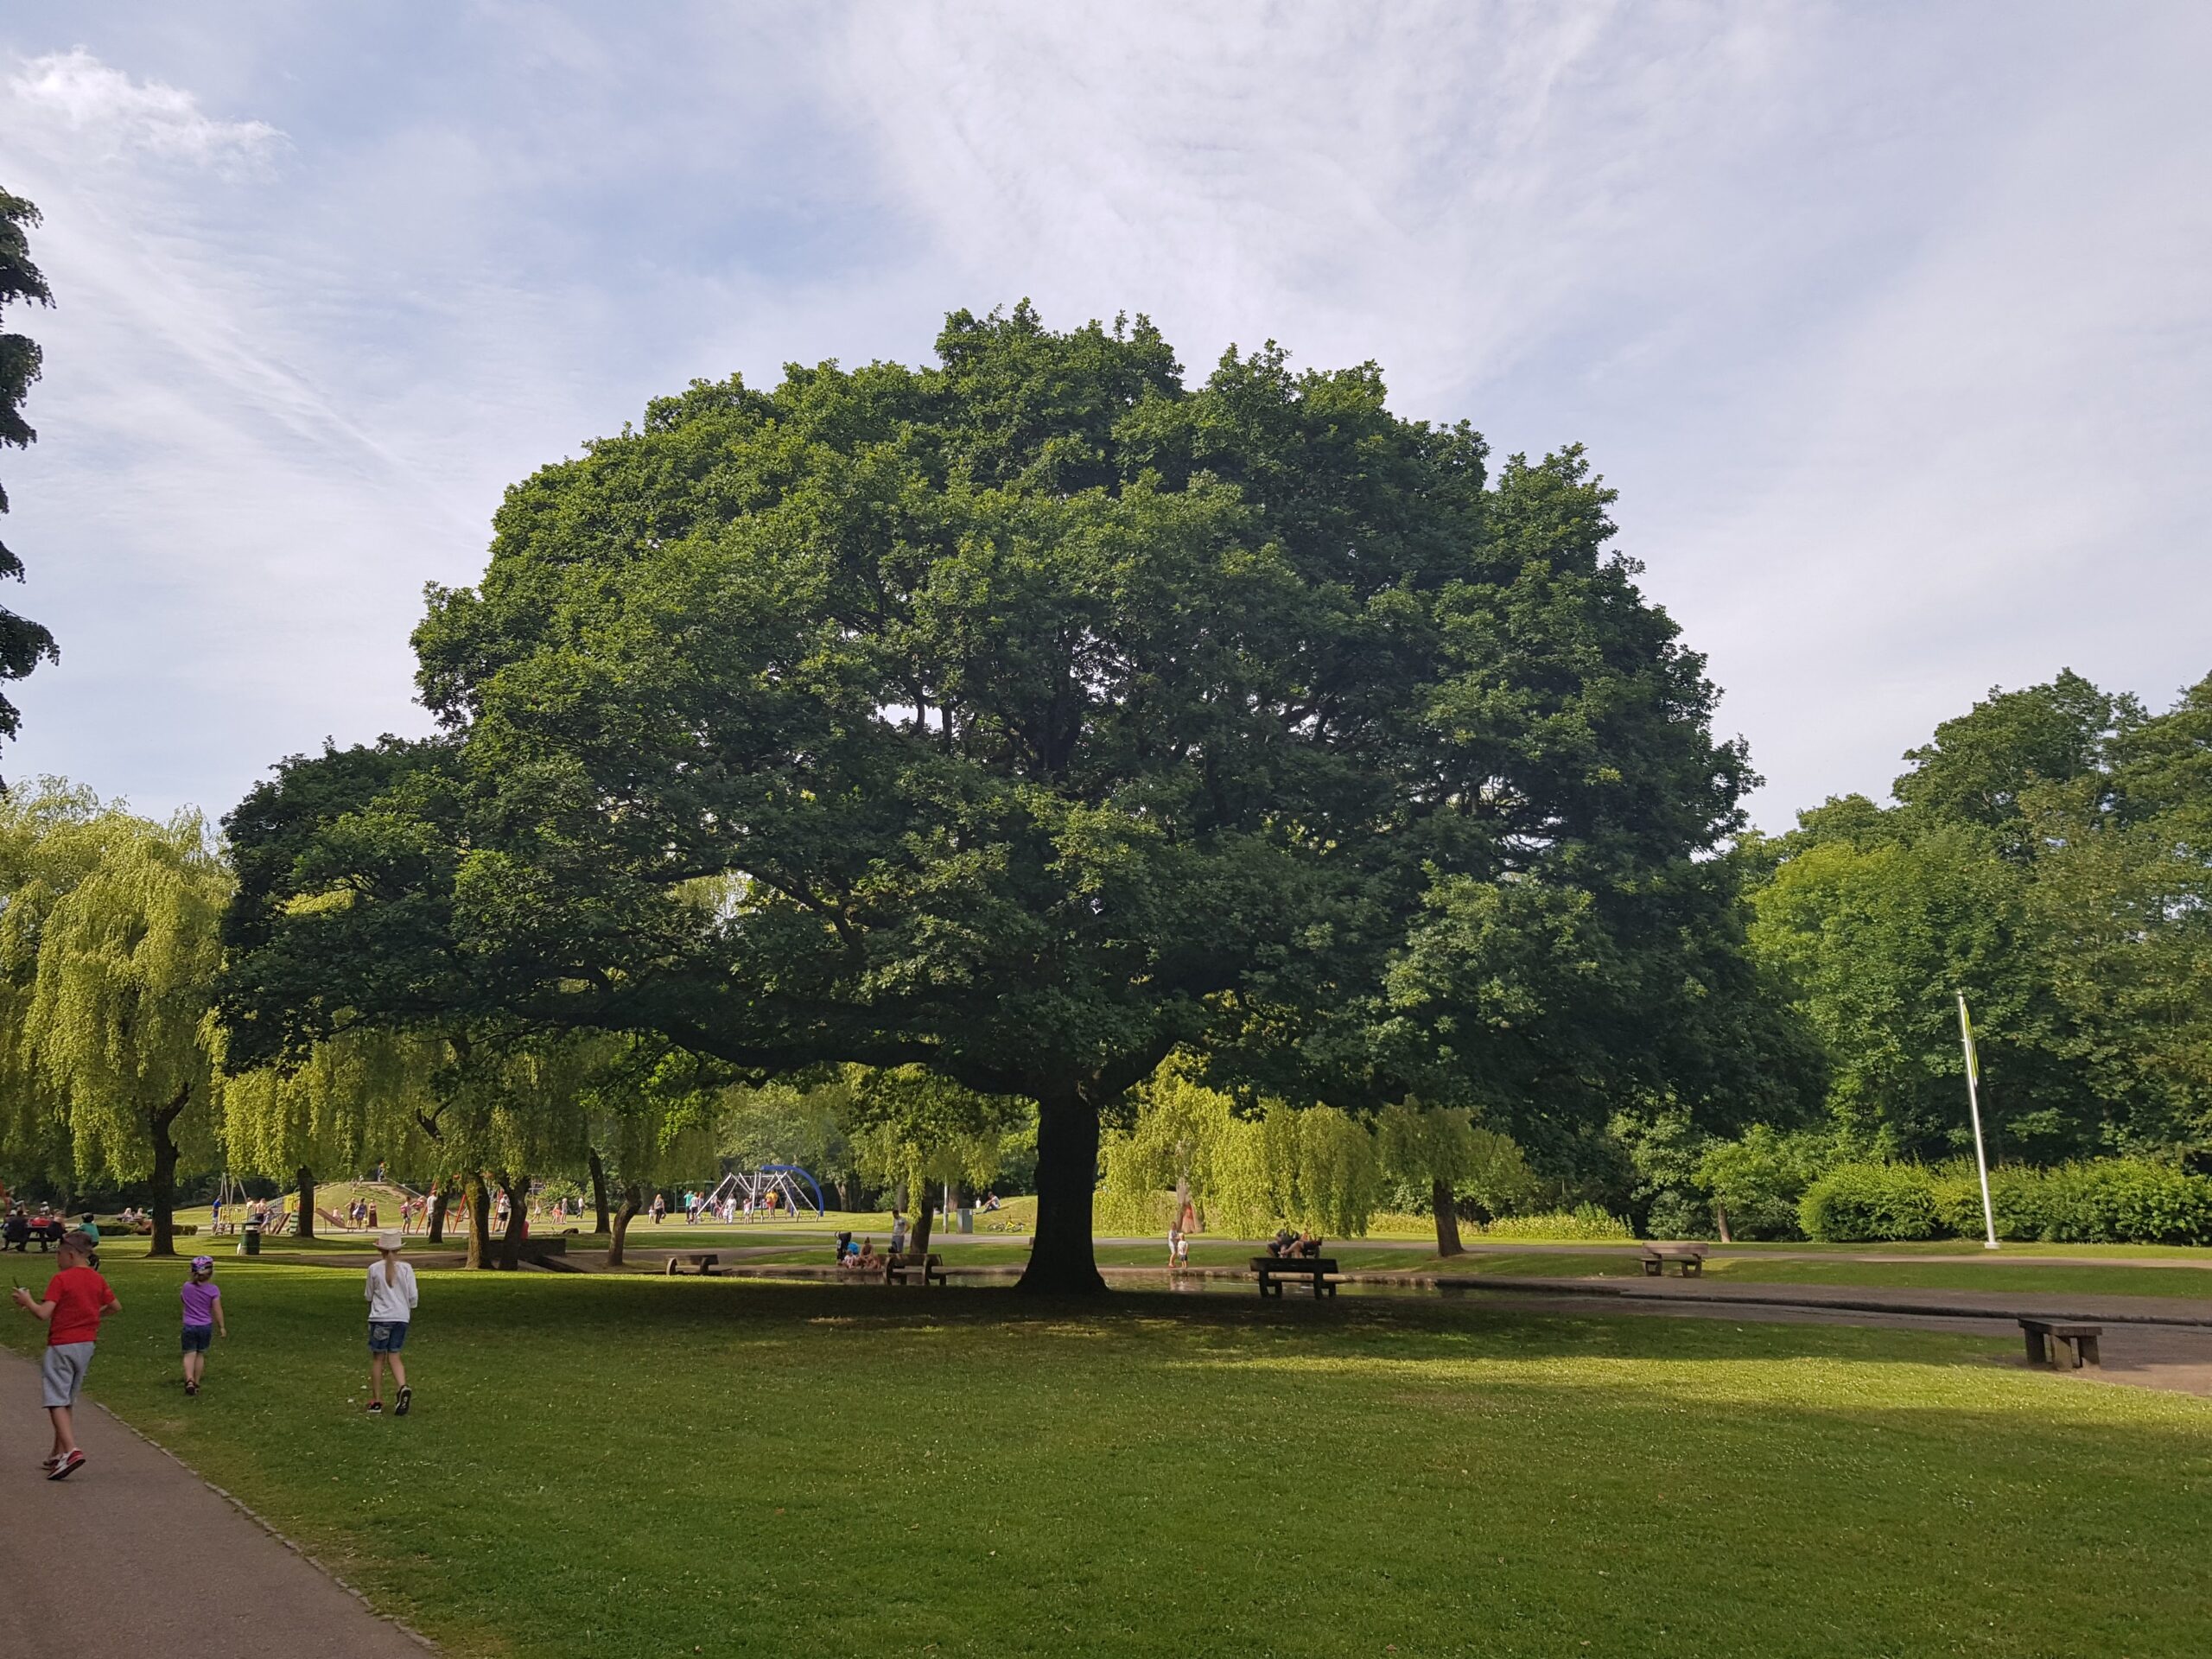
{"type": "Point", "coordinates": [2037, 1354]}
{"type": "Point", "coordinates": [2087, 1350]}
{"type": "Point", "coordinates": [1654, 1268]}
{"type": "Point", "coordinates": [2073, 1350]}
{"type": "Point", "coordinates": [1692, 1269]}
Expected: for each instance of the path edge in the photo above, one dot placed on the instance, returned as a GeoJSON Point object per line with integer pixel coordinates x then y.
{"type": "Point", "coordinates": [267, 1526]}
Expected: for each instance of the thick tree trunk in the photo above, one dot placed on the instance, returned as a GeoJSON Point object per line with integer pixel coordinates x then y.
{"type": "Point", "coordinates": [598, 1190]}
{"type": "Point", "coordinates": [1061, 1260]}
{"type": "Point", "coordinates": [917, 1243]}
{"type": "Point", "coordinates": [480, 1216]}
{"type": "Point", "coordinates": [1447, 1219]}
{"type": "Point", "coordinates": [164, 1182]}
{"type": "Point", "coordinates": [306, 1227]}
{"type": "Point", "coordinates": [518, 1224]}
{"type": "Point", "coordinates": [439, 1200]}
{"type": "Point", "coordinates": [633, 1197]}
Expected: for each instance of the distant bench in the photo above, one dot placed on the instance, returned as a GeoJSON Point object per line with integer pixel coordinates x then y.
{"type": "Point", "coordinates": [702, 1263]}
{"type": "Point", "coordinates": [1318, 1271]}
{"type": "Point", "coordinates": [2080, 1341]}
{"type": "Point", "coordinates": [930, 1266]}
{"type": "Point", "coordinates": [1688, 1259]}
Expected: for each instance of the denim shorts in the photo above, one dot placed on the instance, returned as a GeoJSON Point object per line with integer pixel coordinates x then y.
{"type": "Point", "coordinates": [63, 1371]}
{"type": "Point", "coordinates": [197, 1337]}
{"type": "Point", "coordinates": [387, 1338]}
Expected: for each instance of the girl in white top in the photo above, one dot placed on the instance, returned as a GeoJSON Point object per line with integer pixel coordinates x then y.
{"type": "Point", "coordinates": [390, 1295]}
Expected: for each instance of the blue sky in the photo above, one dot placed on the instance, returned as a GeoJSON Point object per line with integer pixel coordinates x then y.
{"type": "Point", "coordinates": [1891, 324]}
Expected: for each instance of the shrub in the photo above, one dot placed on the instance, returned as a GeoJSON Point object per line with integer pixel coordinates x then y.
{"type": "Point", "coordinates": [1859, 1203]}
{"type": "Point", "coordinates": [1584, 1221]}
{"type": "Point", "coordinates": [1677, 1215]}
{"type": "Point", "coordinates": [2126, 1201]}
{"type": "Point", "coordinates": [1760, 1179]}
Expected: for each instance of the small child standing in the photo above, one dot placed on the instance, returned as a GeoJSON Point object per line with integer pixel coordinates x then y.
{"type": "Point", "coordinates": [77, 1299]}
{"type": "Point", "coordinates": [203, 1318]}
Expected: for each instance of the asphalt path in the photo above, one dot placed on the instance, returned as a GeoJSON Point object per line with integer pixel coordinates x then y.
{"type": "Point", "coordinates": [134, 1553]}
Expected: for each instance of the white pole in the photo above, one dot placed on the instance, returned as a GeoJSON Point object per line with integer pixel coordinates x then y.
{"type": "Point", "coordinates": [1973, 1106]}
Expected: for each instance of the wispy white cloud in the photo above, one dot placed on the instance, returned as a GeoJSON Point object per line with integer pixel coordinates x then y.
{"type": "Point", "coordinates": [91, 98]}
{"type": "Point", "coordinates": [1890, 326]}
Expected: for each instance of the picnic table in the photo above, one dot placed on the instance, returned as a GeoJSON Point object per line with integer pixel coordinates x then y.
{"type": "Point", "coordinates": [1318, 1271]}
{"type": "Point", "coordinates": [2080, 1341]}
{"type": "Point", "coordinates": [1688, 1259]}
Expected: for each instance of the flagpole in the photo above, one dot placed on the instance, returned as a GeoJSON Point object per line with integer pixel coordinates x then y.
{"type": "Point", "coordinates": [1973, 1106]}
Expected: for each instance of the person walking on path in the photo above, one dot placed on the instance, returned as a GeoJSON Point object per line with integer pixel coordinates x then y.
{"type": "Point", "coordinates": [390, 1295]}
{"type": "Point", "coordinates": [76, 1300]}
{"type": "Point", "coordinates": [203, 1317]}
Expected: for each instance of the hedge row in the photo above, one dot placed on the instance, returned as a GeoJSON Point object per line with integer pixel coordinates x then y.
{"type": "Point", "coordinates": [2108, 1201]}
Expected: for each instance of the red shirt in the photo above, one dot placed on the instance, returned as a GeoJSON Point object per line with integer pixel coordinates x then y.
{"type": "Point", "coordinates": [78, 1294]}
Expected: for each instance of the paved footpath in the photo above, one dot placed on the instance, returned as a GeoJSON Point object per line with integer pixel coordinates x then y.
{"type": "Point", "coordinates": [2152, 1342]}
{"type": "Point", "coordinates": [134, 1553]}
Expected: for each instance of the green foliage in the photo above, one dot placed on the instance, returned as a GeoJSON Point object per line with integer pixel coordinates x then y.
{"type": "Point", "coordinates": [1038, 714]}
{"type": "Point", "coordinates": [788, 1123]}
{"type": "Point", "coordinates": [1760, 1179]}
{"type": "Point", "coordinates": [2102, 1201]}
{"type": "Point", "coordinates": [108, 950]}
{"type": "Point", "coordinates": [357, 1099]}
{"type": "Point", "coordinates": [23, 644]}
{"type": "Point", "coordinates": [2051, 857]}
{"type": "Point", "coordinates": [2107, 1201]}
{"type": "Point", "coordinates": [1859, 1203]}
{"type": "Point", "coordinates": [914, 1128]}
{"type": "Point", "coordinates": [1585, 1220]}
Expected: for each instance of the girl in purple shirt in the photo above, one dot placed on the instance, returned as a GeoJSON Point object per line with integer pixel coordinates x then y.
{"type": "Point", "coordinates": [203, 1317]}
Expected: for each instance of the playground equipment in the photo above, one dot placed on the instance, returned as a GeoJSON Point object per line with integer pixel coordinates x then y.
{"type": "Point", "coordinates": [230, 1203]}
{"type": "Point", "coordinates": [782, 1179]}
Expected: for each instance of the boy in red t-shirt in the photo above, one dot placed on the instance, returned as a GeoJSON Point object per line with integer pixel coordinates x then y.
{"type": "Point", "coordinates": [77, 1299]}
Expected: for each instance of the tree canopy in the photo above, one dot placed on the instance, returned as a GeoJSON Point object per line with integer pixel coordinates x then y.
{"type": "Point", "coordinates": [2050, 855]}
{"type": "Point", "coordinates": [1024, 718]}
{"type": "Point", "coordinates": [108, 954]}
{"type": "Point", "coordinates": [23, 644]}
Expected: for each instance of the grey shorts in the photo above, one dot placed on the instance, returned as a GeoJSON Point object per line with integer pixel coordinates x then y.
{"type": "Point", "coordinates": [62, 1371]}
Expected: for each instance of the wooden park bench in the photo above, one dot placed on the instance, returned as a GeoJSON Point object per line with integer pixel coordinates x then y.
{"type": "Point", "coordinates": [702, 1263]}
{"type": "Point", "coordinates": [2080, 1341]}
{"type": "Point", "coordinates": [931, 1267]}
{"type": "Point", "coordinates": [1689, 1260]}
{"type": "Point", "coordinates": [1318, 1271]}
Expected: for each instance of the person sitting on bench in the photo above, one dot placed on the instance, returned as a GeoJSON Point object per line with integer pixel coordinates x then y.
{"type": "Point", "coordinates": [867, 1261]}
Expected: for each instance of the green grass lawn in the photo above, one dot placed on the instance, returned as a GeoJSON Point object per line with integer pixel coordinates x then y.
{"type": "Point", "coordinates": [652, 1466]}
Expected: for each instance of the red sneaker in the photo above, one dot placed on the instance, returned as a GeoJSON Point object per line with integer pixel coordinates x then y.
{"type": "Point", "coordinates": [68, 1466]}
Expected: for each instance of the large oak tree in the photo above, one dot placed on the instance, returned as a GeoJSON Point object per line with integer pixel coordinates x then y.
{"type": "Point", "coordinates": [1023, 718]}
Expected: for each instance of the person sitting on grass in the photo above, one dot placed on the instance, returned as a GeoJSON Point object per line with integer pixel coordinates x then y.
{"type": "Point", "coordinates": [76, 1300]}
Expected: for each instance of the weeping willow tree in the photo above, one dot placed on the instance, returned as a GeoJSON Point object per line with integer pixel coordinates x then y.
{"type": "Point", "coordinates": [1317, 1167]}
{"type": "Point", "coordinates": [1433, 1146]}
{"type": "Point", "coordinates": [915, 1129]}
{"type": "Point", "coordinates": [110, 952]}
{"type": "Point", "coordinates": [1170, 1145]}
{"type": "Point", "coordinates": [360, 1098]}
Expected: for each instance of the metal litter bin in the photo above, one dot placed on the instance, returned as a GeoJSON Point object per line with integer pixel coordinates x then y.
{"type": "Point", "coordinates": [248, 1240]}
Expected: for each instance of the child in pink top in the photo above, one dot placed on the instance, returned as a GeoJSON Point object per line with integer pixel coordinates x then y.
{"type": "Point", "coordinates": [203, 1317]}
